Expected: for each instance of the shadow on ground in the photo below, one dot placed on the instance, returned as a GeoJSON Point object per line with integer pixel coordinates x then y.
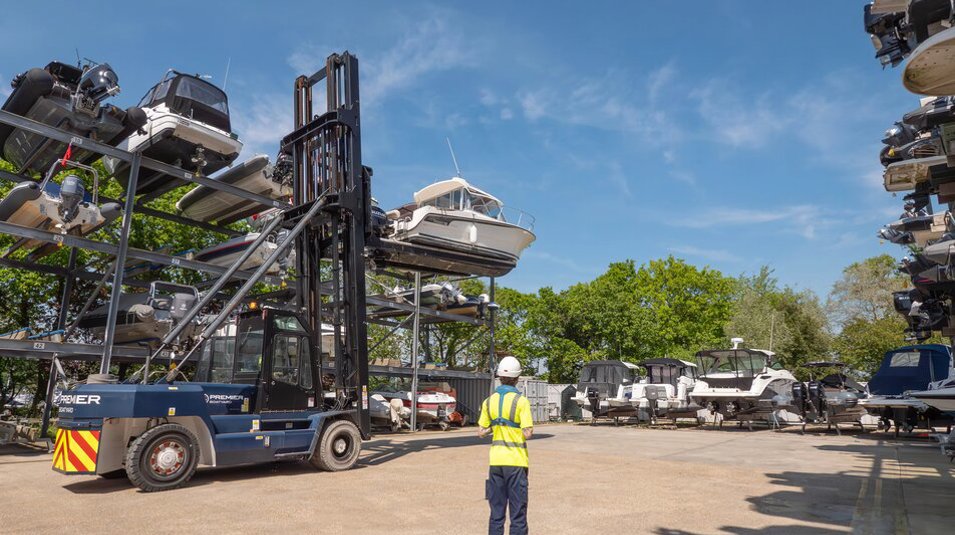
{"type": "Point", "coordinates": [374, 452]}
{"type": "Point", "coordinates": [886, 487]}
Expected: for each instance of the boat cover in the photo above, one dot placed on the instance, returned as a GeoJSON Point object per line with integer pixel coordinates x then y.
{"type": "Point", "coordinates": [911, 368]}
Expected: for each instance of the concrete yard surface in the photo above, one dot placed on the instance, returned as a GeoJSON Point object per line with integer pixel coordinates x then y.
{"type": "Point", "coordinates": [583, 479]}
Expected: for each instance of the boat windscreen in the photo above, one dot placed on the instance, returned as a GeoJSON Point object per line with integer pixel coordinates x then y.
{"type": "Point", "coordinates": [743, 363]}
{"type": "Point", "coordinates": [203, 93]}
{"type": "Point", "coordinates": [485, 205]}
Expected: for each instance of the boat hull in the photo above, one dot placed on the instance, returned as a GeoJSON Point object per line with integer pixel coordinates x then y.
{"type": "Point", "coordinates": [227, 253]}
{"type": "Point", "coordinates": [930, 69]}
{"type": "Point", "coordinates": [466, 232]}
{"type": "Point", "coordinates": [942, 399]}
{"type": "Point", "coordinates": [207, 204]}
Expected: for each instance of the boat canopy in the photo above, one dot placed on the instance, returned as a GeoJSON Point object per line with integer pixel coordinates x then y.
{"type": "Point", "coordinates": [667, 371]}
{"type": "Point", "coordinates": [608, 371]}
{"type": "Point", "coordinates": [457, 194]}
{"type": "Point", "coordinates": [911, 368]}
{"type": "Point", "coordinates": [192, 97]}
{"type": "Point", "coordinates": [742, 362]}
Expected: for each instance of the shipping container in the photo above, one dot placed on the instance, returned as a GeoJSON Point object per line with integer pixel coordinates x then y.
{"type": "Point", "coordinates": [560, 404]}
{"type": "Point", "coordinates": [470, 393]}
{"type": "Point", "coordinates": [535, 390]}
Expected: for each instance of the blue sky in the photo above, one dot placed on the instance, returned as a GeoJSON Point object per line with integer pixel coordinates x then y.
{"type": "Point", "coordinates": [732, 134]}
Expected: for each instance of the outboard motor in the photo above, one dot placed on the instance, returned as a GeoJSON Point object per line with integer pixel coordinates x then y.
{"type": "Point", "coordinates": [72, 192]}
{"type": "Point", "coordinates": [97, 83]}
{"type": "Point", "coordinates": [891, 45]}
{"type": "Point", "coordinates": [899, 134]}
{"type": "Point", "coordinates": [181, 304]}
{"type": "Point", "coordinates": [653, 393]}
{"type": "Point", "coordinates": [817, 396]}
{"type": "Point", "coordinates": [800, 398]}
{"type": "Point", "coordinates": [593, 397]}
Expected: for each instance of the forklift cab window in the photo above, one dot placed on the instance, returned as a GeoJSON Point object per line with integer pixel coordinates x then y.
{"type": "Point", "coordinates": [248, 354]}
{"type": "Point", "coordinates": [288, 323]}
{"type": "Point", "coordinates": [306, 358]}
{"type": "Point", "coordinates": [285, 358]}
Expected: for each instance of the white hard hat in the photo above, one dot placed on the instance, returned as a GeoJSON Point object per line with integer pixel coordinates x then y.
{"type": "Point", "coordinates": [509, 367]}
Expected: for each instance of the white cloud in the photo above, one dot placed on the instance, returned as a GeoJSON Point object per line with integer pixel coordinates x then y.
{"type": "Point", "coordinates": [804, 220]}
{"type": "Point", "coordinates": [262, 122]}
{"type": "Point", "coordinates": [659, 80]}
{"type": "Point", "coordinates": [716, 255]}
{"type": "Point", "coordinates": [506, 114]}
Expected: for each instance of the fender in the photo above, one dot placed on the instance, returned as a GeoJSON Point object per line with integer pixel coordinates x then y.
{"type": "Point", "coordinates": [330, 416]}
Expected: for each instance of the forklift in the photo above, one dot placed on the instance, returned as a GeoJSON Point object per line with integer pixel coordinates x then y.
{"type": "Point", "coordinates": [258, 396]}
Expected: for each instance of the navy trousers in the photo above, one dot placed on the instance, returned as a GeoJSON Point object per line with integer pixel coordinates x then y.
{"type": "Point", "coordinates": [507, 489]}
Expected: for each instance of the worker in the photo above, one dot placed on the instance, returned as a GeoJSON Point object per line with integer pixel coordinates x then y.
{"type": "Point", "coordinates": [507, 416]}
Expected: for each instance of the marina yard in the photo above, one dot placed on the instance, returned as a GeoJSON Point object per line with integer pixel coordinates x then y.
{"type": "Point", "coordinates": [599, 479]}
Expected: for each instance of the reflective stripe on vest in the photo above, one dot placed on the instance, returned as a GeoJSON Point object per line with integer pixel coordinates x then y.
{"type": "Point", "coordinates": [509, 444]}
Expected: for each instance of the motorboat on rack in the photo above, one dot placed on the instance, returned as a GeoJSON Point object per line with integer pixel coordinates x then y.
{"type": "Point", "coordinates": [66, 208]}
{"type": "Point", "coordinates": [930, 69]}
{"type": "Point", "coordinates": [71, 99]}
{"type": "Point", "coordinates": [453, 214]}
{"type": "Point", "coordinates": [903, 370]}
{"type": "Point", "coordinates": [228, 252]}
{"type": "Point", "coordinates": [665, 391]}
{"type": "Point", "coordinates": [606, 387]}
{"type": "Point", "coordinates": [255, 175]}
{"type": "Point", "coordinates": [830, 396]}
{"type": "Point", "coordinates": [905, 175]}
{"type": "Point", "coordinates": [442, 296]}
{"type": "Point", "coordinates": [188, 126]}
{"type": "Point", "coordinates": [433, 407]}
{"type": "Point", "coordinates": [741, 383]}
{"type": "Point", "coordinates": [145, 318]}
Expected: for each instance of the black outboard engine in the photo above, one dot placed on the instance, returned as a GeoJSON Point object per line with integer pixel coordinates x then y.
{"type": "Point", "coordinates": [593, 397]}
{"type": "Point", "coordinates": [899, 134]}
{"type": "Point", "coordinates": [800, 398]}
{"type": "Point", "coordinates": [72, 192]}
{"type": "Point", "coordinates": [936, 112]}
{"type": "Point", "coordinates": [653, 393]}
{"type": "Point", "coordinates": [891, 44]}
{"type": "Point", "coordinates": [181, 304]}
{"type": "Point", "coordinates": [817, 396]}
{"type": "Point", "coordinates": [97, 83]}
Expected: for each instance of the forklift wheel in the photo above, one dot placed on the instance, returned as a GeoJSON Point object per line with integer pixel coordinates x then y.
{"type": "Point", "coordinates": [163, 458]}
{"type": "Point", "coordinates": [338, 448]}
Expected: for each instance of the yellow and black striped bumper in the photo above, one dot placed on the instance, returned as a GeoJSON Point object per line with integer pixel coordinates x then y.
{"type": "Point", "coordinates": [76, 451]}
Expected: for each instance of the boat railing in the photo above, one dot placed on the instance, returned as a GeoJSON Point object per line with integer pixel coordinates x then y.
{"type": "Point", "coordinates": [516, 216]}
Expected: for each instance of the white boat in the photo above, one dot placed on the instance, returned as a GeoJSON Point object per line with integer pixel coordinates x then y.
{"type": "Point", "coordinates": [433, 407]}
{"type": "Point", "coordinates": [453, 214]}
{"type": "Point", "coordinates": [255, 175]}
{"type": "Point", "coordinates": [830, 396]}
{"type": "Point", "coordinates": [905, 175]}
{"type": "Point", "coordinates": [940, 395]}
{"type": "Point", "coordinates": [228, 252]}
{"type": "Point", "coordinates": [665, 389]}
{"type": "Point", "coordinates": [605, 388]}
{"type": "Point", "coordinates": [66, 208]}
{"type": "Point", "coordinates": [738, 383]}
{"type": "Point", "coordinates": [187, 126]}
{"type": "Point", "coordinates": [904, 370]}
{"type": "Point", "coordinates": [930, 69]}
{"type": "Point", "coordinates": [919, 228]}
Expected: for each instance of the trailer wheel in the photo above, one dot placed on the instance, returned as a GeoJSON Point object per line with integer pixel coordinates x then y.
{"type": "Point", "coordinates": [338, 447]}
{"type": "Point", "coordinates": [163, 458]}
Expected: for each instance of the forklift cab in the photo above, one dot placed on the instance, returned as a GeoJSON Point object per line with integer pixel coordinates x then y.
{"type": "Point", "coordinates": [272, 350]}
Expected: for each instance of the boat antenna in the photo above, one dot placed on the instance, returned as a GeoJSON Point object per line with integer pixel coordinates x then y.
{"type": "Point", "coordinates": [225, 79]}
{"type": "Point", "coordinates": [457, 169]}
{"type": "Point", "coordinates": [78, 60]}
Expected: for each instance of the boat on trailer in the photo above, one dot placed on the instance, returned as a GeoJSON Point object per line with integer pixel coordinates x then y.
{"type": "Point", "coordinates": [453, 214]}
{"type": "Point", "coordinates": [255, 175]}
{"type": "Point", "coordinates": [904, 370]}
{"type": "Point", "coordinates": [605, 388]}
{"type": "Point", "coordinates": [187, 126]}
{"type": "Point", "coordinates": [830, 396]}
{"type": "Point", "coordinates": [71, 99]}
{"type": "Point", "coordinates": [665, 391]}
{"type": "Point", "coordinates": [742, 384]}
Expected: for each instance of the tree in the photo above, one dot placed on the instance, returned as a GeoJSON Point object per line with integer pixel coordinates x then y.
{"type": "Point", "coordinates": [862, 343]}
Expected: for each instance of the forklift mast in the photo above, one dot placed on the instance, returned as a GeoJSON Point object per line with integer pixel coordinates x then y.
{"type": "Point", "coordinates": [325, 148]}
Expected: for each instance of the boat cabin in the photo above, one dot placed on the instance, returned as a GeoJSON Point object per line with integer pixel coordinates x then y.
{"type": "Point", "coordinates": [734, 368]}
{"type": "Point", "coordinates": [457, 194]}
{"type": "Point", "coordinates": [911, 368]}
{"type": "Point", "coordinates": [192, 97]}
{"type": "Point", "coordinates": [667, 371]}
{"type": "Point", "coordinates": [607, 376]}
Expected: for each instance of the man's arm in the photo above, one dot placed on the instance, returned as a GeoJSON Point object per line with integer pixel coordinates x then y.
{"type": "Point", "coordinates": [526, 419]}
{"type": "Point", "coordinates": [484, 422]}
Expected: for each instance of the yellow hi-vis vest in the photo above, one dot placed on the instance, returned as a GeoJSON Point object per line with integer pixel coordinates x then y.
{"type": "Point", "coordinates": [507, 412]}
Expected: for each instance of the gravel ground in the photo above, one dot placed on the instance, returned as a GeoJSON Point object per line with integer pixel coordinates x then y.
{"type": "Point", "coordinates": [583, 479]}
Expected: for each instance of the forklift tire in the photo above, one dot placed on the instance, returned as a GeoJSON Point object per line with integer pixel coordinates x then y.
{"type": "Point", "coordinates": [338, 448]}
{"type": "Point", "coordinates": [163, 458]}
